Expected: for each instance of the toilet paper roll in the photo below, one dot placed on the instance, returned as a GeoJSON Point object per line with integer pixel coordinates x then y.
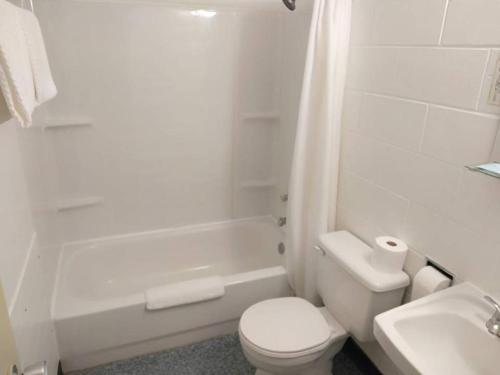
{"type": "Point", "coordinates": [389, 254]}
{"type": "Point", "coordinates": [428, 280]}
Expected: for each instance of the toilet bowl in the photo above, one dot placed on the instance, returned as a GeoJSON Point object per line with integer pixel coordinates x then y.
{"type": "Point", "coordinates": [292, 336]}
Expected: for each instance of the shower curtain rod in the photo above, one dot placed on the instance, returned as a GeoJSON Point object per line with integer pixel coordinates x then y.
{"type": "Point", "coordinates": [290, 4]}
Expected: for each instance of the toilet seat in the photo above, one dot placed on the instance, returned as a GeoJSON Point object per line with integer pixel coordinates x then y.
{"type": "Point", "coordinates": [285, 328]}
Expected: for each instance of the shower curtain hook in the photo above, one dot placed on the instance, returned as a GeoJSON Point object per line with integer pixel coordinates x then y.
{"type": "Point", "coordinates": [290, 4]}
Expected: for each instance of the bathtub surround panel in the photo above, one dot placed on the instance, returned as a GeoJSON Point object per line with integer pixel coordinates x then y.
{"type": "Point", "coordinates": [16, 224]}
{"type": "Point", "coordinates": [26, 267]}
{"type": "Point", "coordinates": [416, 113]}
{"type": "Point", "coordinates": [159, 150]}
{"type": "Point", "coordinates": [31, 320]}
{"type": "Point", "coordinates": [192, 135]}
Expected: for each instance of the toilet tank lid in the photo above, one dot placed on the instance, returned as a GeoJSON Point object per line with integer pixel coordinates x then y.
{"type": "Point", "coordinates": [353, 255]}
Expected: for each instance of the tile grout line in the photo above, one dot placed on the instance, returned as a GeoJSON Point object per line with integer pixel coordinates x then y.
{"type": "Point", "coordinates": [443, 24]}
{"type": "Point", "coordinates": [483, 79]}
{"type": "Point", "coordinates": [424, 129]}
{"type": "Point", "coordinates": [433, 104]}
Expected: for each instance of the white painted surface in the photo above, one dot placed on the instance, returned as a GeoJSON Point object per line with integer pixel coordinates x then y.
{"type": "Point", "coordinates": [26, 269]}
{"type": "Point", "coordinates": [472, 22]}
{"type": "Point", "coordinates": [416, 22]}
{"type": "Point", "coordinates": [33, 327]}
{"type": "Point", "coordinates": [450, 323]}
{"type": "Point", "coordinates": [171, 143]}
{"type": "Point", "coordinates": [415, 115]}
{"type": "Point", "coordinates": [101, 284]}
{"type": "Point", "coordinates": [15, 214]}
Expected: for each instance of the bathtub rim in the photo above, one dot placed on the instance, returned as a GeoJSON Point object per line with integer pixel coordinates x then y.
{"type": "Point", "coordinates": [138, 297]}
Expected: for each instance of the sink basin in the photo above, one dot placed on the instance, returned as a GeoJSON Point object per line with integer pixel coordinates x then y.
{"type": "Point", "coordinates": [443, 333]}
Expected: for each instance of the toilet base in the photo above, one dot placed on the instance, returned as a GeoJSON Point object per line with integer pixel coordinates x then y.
{"type": "Point", "coordinates": [324, 369]}
{"type": "Point", "coordinates": [321, 366]}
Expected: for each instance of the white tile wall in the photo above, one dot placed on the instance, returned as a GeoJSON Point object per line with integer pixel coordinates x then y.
{"type": "Point", "coordinates": [472, 22]}
{"type": "Point", "coordinates": [415, 114]}
{"type": "Point", "coordinates": [406, 21]}
{"type": "Point", "coordinates": [415, 22]}
{"type": "Point", "coordinates": [457, 137]}
{"type": "Point", "coordinates": [380, 118]}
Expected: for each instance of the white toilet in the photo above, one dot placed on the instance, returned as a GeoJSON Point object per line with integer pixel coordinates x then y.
{"type": "Point", "coordinates": [292, 336]}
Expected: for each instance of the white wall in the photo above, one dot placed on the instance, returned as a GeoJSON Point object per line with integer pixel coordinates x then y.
{"type": "Point", "coordinates": [27, 269]}
{"type": "Point", "coordinates": [168, 90]}
{"type": "Point", "coordinates": [16, 228]}
{"type": "Point", "coordinates": [415, 114]}
{"type": "Point", "coordinates": [27, 263]}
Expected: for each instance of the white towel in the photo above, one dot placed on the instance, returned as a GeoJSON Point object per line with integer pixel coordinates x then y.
{"type": "Point", "coordinates": [45, 89]}
{"type": "Point", "coordinates": [185, 292]}
{"type": "Point", "coordinates": [16, 76]}
{"type": "Point", "coordinates": [25, 77]}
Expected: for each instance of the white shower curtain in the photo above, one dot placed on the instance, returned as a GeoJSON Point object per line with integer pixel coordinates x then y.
{"type": "Point", "coordinates": [314, 175]}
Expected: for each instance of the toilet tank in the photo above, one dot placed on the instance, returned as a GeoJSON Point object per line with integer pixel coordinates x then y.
{"type": "Point", "coordinates": [352, 290]}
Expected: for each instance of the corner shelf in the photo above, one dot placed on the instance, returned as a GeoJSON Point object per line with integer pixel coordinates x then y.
{"type": "Point", "coordinates": [489, 169]}
{"type": "Point", "coordinates": [271, 116]}
{"type": "Point", "coordinates": [56, 124]}
{"type": "Point", "coordinates": [78, 202]}
{"type": "Point", "coordinates": [258, 184]}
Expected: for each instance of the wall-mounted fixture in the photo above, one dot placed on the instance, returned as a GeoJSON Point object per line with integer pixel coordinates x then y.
{"type": "Point", "coordinates": [490, 169]}
{"type": "Point", "coordinates": [39, 368]}
{"type": "Point", "coordinates": [290, 4]}
{"type": "Point", "coordinates": [494, 97]}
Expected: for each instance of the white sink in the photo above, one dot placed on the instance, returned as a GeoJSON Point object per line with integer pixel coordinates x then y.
{"type": "Point", "coordinates": [443, 333]}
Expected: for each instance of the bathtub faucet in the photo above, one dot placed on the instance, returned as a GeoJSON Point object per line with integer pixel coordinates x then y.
{"type": "Point", "coordinates": [282, 221]}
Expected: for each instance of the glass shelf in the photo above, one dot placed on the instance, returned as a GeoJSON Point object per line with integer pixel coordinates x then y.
{"type": "Point", "coordinates": [490, 169]}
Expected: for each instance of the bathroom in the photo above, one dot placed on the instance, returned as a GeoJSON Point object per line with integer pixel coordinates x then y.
{"type": "Point", "coordinates": [201, 187]}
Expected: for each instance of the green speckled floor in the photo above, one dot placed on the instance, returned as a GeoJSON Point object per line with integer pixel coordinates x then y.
{"type": "Point", "coordinates": [218, 356]}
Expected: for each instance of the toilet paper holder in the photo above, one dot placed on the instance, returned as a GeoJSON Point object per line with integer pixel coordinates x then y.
{"type": "Point", "coordinates": [450, 275]}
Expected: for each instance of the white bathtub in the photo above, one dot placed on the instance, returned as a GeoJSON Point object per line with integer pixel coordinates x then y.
{"type": "Point", "coordinates": [99, 304]}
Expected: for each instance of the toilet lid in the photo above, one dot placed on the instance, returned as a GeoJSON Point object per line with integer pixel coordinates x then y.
{"type": "Point", "coordinates": [285, 326]}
